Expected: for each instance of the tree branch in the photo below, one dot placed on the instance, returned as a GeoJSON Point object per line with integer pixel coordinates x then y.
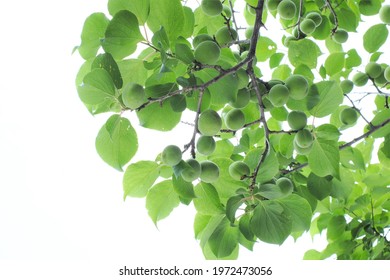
{"type": "Point", "coordinates": [336, 21]}
{"type": "Point", "coordinates": [358, 110]}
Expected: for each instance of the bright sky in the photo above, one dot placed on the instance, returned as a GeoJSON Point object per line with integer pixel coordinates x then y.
{"type": "Point", "coordinates": [58, 200]}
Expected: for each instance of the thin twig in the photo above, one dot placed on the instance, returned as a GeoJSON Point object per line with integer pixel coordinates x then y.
{"type": "Point", "coordinates": [336, 21]}
{"type": "Point", "coordinates": [358, 110]}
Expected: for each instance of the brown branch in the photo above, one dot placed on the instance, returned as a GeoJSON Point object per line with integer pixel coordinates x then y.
{"type": "Point", "coordinates": [233, 17]}
{"type": "Point", "coordinates": [358, 110]}
{"type": "Point", "coordinates": [244, 126]}
{"type": "Point", "coordinates": [381, 92]}
{"type": "Point", "coordinates": [336, 21]}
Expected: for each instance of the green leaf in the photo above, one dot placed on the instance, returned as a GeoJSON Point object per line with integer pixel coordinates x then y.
{"type": "Point", "coordinates": [169, 14]}
{"type": "Point", "coordinates": [200, 223]}
{"type": "Point", "coordinates": [375, 37]}
{"type": "Point", "coordinates": [107, 62]}
{"type": "Point", "coordinates": [122, 35]}
{"type": "Point", "coordinates": [319, 187]}
{"type": "Point", "coordinates": [353, 59]}
{"type": "Point", "coordinates": [139, 177]}
{"type": "Point", "coordinates": [269, 222]}
{"type": "Point", "coordinates": [347, 19]}
{"type": "Point", "coordinates": [312, 255]}
{"type": "Point", "coordinates": [97, 87]}
{"type": "Point", "coordinates": [303, 51]}
{"type": "Point", "coordinates": [133, 71]}
{"type": "Point", "coordinates": [327, 132]}
{"type": "Point", "coordinates": [377, 120]}
{"type": "Point", "coordinates": [184, 53]}
{"type": "Point", "coordinates": [161, 200]}
{"type": "Point", "coordinates": [331, 96]}
{"type": "Point", "coordinates": [208, 230]}
{"type": "Point", "coordinates": [189, 22]}
{"type": "Point", "coordinates": [299, 211]}
{"type": "Point", "coordinates": [183, 188]}
{"type": "Point", "coordinates": [282, 72]}
{"type": "Point", "coordinates": [286, 145]}
{"type": "Point", "coordinates": [336, 227]}
{"type": "Point", "coordinates": [275, 60]}
{"type": "Point", "coordinates": [352, 158]}
{"type": "Point", "coordinates": [117, 142]}
{"type": "Point", "coordinates": [269, 168]}
{"type": "Point", "coordinates": [334, 63]}
{"type": "Point", "coordinates": [232, 206]}
{"type": "Point", "coordinates": [140, 8]}
{"type": "Point", "coordinates": [324, 158]}
{"type": "Point", "coordinates": [224, 239]}
{"type": "Point", "coordinates": [93, 30]}
{"type": "Point", "coordinates": [265, 48]}
{"type": "Point", "coordinates": [157, 117]}
{"type": "Point", "coordinates": [207, 200]}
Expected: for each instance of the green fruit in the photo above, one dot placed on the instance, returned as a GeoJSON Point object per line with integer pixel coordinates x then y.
{"type": "Point", "coordinates": [387, 73]}
{"type": "Point", "coordinates": [249, 32]}
{"type": "Point", "coordinates": [297, 120]}
{"type": "Point", "coordinates": [348, 116]}
{"type": "Point", "coordinates": [212, 7]}
{"type": "Point", "coordinates": [308, 26]}
{"type": "Point", "coordinates": [346, 86]}
{"type": "Point", "coordinates": [171, 155]}
{"type": "Point", "coordinates": [243, 98]}
{"type": "Point", "coordinates": [209, 123]}
{"type": "Point", "coordinates": [235, 119]}
{"type": "Point", "coordinates": [239, 169]}
{"type": "Point", "coordinates": [285, 185]}
{"type": "Point", "coordinates": [340, 36]}
{"type": "Point", "coordinates": [227, 11]}
{"type": "Point", "coordinates": [207, 52]}
{"type": "Point", "coordinates": [278, 95]}
{"type": "Point", "coordinates": [209, 171]}
{"type": "Point", "coordinates": [316, 17]}
{"type": "Point", "coordinates": [178, 103]}
{"type": "Point", "coordinates": [304, 138]}
{"type": "Point", "coordinates": [286, 9]}
{"type": "Point", "coordinates": [300, 150]}
{"type": "Point", "coordinates": [201, 38]}
{"type": "Point", "coordinates": [373, 70]}
{"type": "Point", "coordinates": [381, 80]}
{"type": "Point", "coordinates": [225, 35]}
{"type": "Point", "coordinates": [205, 145]}
{"type": "Point", "coordinates": [384, 14]}
{"type": "Point", "coordinates": [192, 172]}
{"type": "Point", "coordinates": [133, 95]}
{"type": "Point", "coordinates": [298, 86]}
{"type": "Point", "coordinates": [360, 79]}
{"type": "Point", "coordinates": [272, 5]}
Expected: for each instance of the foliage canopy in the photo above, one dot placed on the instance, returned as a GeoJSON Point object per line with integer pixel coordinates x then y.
{"type": "Point", "coordinates": [271, 154]}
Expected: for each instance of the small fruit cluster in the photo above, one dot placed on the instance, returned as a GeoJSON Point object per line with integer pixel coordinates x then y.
{"type": "Point", "coordinates": [378, 73]}
{"type": "Point", "coordinates": [295, 87]}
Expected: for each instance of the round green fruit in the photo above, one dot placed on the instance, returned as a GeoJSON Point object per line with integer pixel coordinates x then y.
{"type": "Point", "coordinates": [209, 123]}
{"type": "Point", "coordinates": [249, 32]}
{"type": "Point", "coordinates": [387, 73]}
{"type": "Point", "coordinates": [340, 36]}
{"type": "Point", "coordinates": [348, 116]}
{"type": "Point", "coordinates": [171, 155]}
{"type": "Point", "coordinates": [300, 150]}
{"type": "Point", "coordinates": [225, 35]}
{"type": "Point", "coordinates": [384, 14]}
{"type": "Point", "coordinates": [308, 26]}
{"type": "Point", "coordinates": [227, 11]}
{"type": "Point", "coordinates": [297, 120]}
{"type": "Point", "coordinates": [209, 171]}
{"type": "Point", "coordinates": [212, 7]}
{"type": "Point", "coordinates": [304, 138]}
{"type": "Point", "coordinates": [235, 119]}
{"type": "Point", "coordinates": [360, 79]}
{"type": "Point", "coordinates": [133, 95]}
{"type": "Point", "coordinates": [207, 52]}
{"type": "Point", "coordinates": [298, 86]}
{"type": "Point", "coordinates": [205, 145]}
{"type": "Point", "coordinates": [278, 95]}
{"type": "Point", "coordinates": [201, 38]}
{"type": "Point", "coordinates": [285, 185]}
{"type": "Point", "coordinates": [239, 169]}
{"type": "Point", "coordinates": [346, 86]}
{"type": "Point", "coordinates": [286, 9]}
{"type": "Point", "coordinates": [243, 98]}
{"type": "Point", "coordinates": [373, 70]}
{"type": "Point", "coordinates": [272, 5]}
{"type": "Point", "coordinates": [316, 17]}
{"type": "Point", "coordinates": [192, 172]}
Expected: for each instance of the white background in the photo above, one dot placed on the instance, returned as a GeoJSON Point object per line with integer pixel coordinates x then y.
{"type": "Point", "coordinates": [60, 204]}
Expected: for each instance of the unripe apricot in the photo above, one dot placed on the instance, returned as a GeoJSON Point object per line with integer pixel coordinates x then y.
{"type": "Point", "coordinates": [373, 70]}
{"type": "Point", "coordinates": [192, 172]}
{"type": "Point", "coordinates": [235, 119]}
{"type": "Point", "coordinates": [225, 35]}
{"type": "Point", "coordinates": [304, 138]}
{"type": "Point", "coordinates": [209, 123]}
{"type": "Point", "coordinates": [239, 169]}
{"type": "Point", "coordinates": [346, 86]}
{"type": "Point", "coordinates": [133, 95]}
{"type": "Point", "coordinates": [298, 86]}
{"type": "Point", "coordinates": [297, 120]}
{"type": "Point", "coordinates": [360, 79]}
{"type": "Point", "coordinates": [286, 9]}
{"type": "Point", "coordinates": [207, 52]}
{"type": "Point", "coordinates": [278, 95]}
{"type": "Point", "coordinates": [212, 7]}
{"type": "Point", "coordinates": [171, 155]}
{"type": "Point", "coordinates": [308, 26]}
{"type": "Point", "coordinates": [348, 116]}
{"type": "Point", "coordinates": [340, 36]}
{"type": "Point", "coordinates": [205, 145]}
{"type": "Point", "coordinates": [209, 171]}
